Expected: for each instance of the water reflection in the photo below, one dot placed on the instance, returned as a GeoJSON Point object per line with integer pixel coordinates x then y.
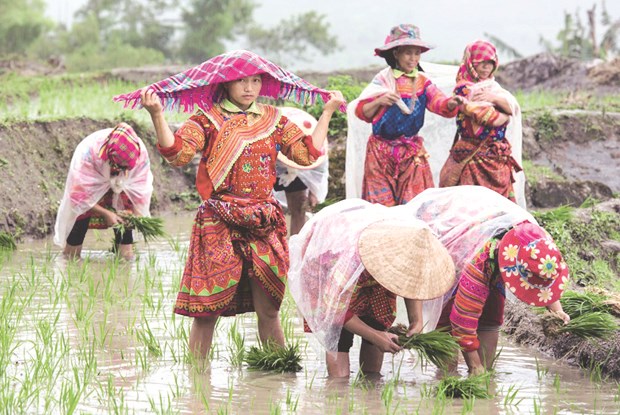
{"type": "Point", "coordinates": [100, 335]}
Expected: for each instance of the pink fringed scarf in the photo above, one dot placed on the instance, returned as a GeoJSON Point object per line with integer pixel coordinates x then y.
{"type": "Point", "coordinates": [200, 84]}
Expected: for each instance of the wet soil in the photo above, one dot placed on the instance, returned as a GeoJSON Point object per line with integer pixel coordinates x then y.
{"type": "Point", "coordinates": [525, 327]}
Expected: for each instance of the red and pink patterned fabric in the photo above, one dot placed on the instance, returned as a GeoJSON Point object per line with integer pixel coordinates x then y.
{"type": "Point", "coordinates": [121, 148]}
{"type": "Point", "coordinates": [200, 85]}
{"type": "Point", "coordinates": [476, 52]}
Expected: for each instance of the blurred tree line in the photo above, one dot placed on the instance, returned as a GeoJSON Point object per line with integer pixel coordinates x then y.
{"type": "Point", "coordinates": [124, 33]}
{"type": "Point", "coordinates": [581, 41]}
{"type": "Point", "coordinates": [576, 39]}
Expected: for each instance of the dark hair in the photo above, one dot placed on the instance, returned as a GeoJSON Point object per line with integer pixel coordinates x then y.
{"type": "Point", "coordinates": [389, 57]}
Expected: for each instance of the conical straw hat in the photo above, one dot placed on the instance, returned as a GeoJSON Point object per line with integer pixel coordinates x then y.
{"type": "Point", "coordinates": [407, 259]}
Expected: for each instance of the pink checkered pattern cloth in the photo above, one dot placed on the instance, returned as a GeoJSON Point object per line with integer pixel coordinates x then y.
{"type": "Point", "coordinates": [200, 84]}
{"type": "Point", "coordinates": [476, 52]}
{"type": "Point", "coordinates": [121, 148]}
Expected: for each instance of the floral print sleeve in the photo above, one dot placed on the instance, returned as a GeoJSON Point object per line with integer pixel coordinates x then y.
{"type": "Point", "coordinates": [472, 293]}
{"type": "Point", "coordinates": [295, 144]}
{"type": "Point", "coordinates": [189, 139]}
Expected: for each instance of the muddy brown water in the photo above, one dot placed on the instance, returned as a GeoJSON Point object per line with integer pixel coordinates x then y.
{"type": "Point", "coordinates": [121, 300]}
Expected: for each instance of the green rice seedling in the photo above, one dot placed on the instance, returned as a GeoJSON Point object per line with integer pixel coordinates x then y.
{"type": "Point", "coordinates": [576, 303]}
{"type": "Point", "coordinates": [236, 345]}
{"type": "Point", "coordinates": [274, 408]}
{"type": "Point", "coordinates": [541, 371]}
{"type": "Point", "coordinates": [7, 241]}
{"type": "Point", "coordinates": [142, 360]}
{"type": "Point", "coordinates": [360, 381]}
{"type": "Point", "coordinates": [595, 371]}
{"type": "Point", "coordinates": [591, 325]}
{"type": "Point", "coordinates": [511, 395]}
{"type": "Point", "coordinates": [426, 391]}
{"type": "Point", "coordinates": [561, 214]}
{"type": "Point", "coordinates": [312, 378]}
{"type": "Point", "coordinates": [468, 405]}
{"type": "Point", "coordinates": [292, 401]}
{"type": "Point", "coordinates": [457, 387]}
{"type": "Point", "coordinates": [387, 394]}
{"type": "Point", "coordinates": [160, 407]}
{"type": "Point", "coordinates": [149, 227]}
{"type": "Point", "coordinates": [273, 357]}
{"type": "Point", "coordinates": [437, 346]}
{"type": "Point", "coordinates": [556, 383]}
{"type": "Point", "coordinates": [147, 338]}
{"type": "Point", "coordinates": [538, 406]}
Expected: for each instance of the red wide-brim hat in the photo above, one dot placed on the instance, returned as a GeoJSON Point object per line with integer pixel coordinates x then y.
{"type": "Point", "coordinates": [531, 265]}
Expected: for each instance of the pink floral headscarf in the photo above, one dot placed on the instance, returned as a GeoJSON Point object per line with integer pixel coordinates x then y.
{"type": "Point", "coordinates": [476, 52]}
{"type": "Point", "coordinates": [121, 147]}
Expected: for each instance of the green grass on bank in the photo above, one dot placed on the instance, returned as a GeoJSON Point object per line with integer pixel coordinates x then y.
{"type": "Point", "coordinates": [580, 100]}
{"type": "Point", "coordinates": [580, 243]}
{"type": "Point", "coordinates": [90, 95]}
{"type": "Point", "coordinates": [67, 96]}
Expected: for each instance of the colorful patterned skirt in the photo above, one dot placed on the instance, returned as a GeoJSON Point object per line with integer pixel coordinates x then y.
{"type": "Point", "coordinates": [395, 170]}
{"type": "Point", "coordinates": [491, 167]}
{"type": "Point", "coordinates": [233, 241]}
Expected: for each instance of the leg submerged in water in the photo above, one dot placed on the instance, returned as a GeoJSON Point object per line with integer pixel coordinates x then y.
{"type": "Point", "coordinates": [267, 314]}
{"type": "Point", "coordinates": [201, 336]}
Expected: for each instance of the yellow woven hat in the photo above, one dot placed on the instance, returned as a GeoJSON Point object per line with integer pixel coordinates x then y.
{"type": "Point", "coordinates": [407, 259]}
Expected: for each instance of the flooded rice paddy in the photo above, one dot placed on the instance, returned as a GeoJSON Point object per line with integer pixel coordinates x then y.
{"type": "Point", "coordinates": [99, 336]}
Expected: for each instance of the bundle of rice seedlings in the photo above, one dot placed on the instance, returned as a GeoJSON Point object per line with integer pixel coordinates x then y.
{"type": "Point", "coordinates": [437, 346]}
{"type": "Point", "coordinates": [595, 324]}
{"type": "Point", "coordinates": [7, 241]}
{"type": "Point", "coordinates": [149, 227]}
{"type": "Point", "coordinates": [274, 358]}
{"type": "Point", "coordinates": [576, 303]}
{"type": "Point", "coordinates": [612, 300]}
{"type": "Point", "coordinates": [465, 388]}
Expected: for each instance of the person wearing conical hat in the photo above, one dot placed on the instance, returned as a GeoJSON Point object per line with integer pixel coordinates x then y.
{"type": "Point", "coordinates": [489, 132]}
{"type": "Point", "coordinates": [110, 175]}
{"type": "Point", "coordinates": [238, 253]}
{"type": "Point", "coordinates": [498, 248]}
{"type": "Point", "coordinates": [348, 285]}
{"type": "Point", "coordinates": [396, 166]}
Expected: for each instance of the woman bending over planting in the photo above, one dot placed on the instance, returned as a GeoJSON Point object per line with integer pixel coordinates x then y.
{"type": "Point", "coordinates": [348, 264]}
{"type": "Point", "coordinates": [498, 249]}
{"type": "Point", "coordinates": [110, 175]}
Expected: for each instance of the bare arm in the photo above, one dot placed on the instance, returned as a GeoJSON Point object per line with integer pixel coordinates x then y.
{"type": "Point", "coordinates": [320, 131]}
{"type": "Point", "coordinates": [110, 218]}
{"type": "Point", "coordinates": [385, 341]}
{"type": "Point", "coordinates": [152, 103]}
{"type": "Point", "coordinates": [414, 313]}
{"type": "Point", "coordinates": [556, 308]}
